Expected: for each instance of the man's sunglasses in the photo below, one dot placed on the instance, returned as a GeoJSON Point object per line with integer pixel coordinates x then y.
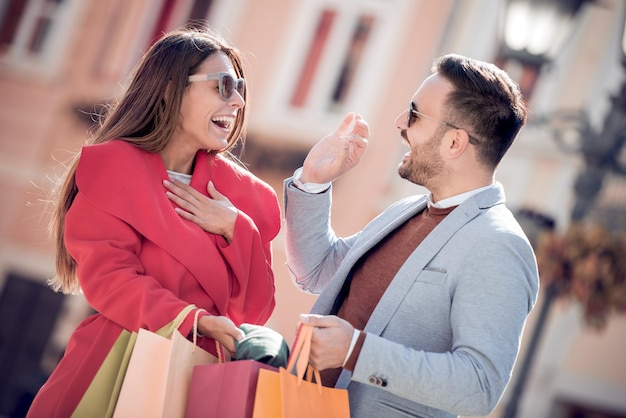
{"type": "Point", "coordinates": [414, 114]}
{"type": "Point", "coordinates": [226, 82]}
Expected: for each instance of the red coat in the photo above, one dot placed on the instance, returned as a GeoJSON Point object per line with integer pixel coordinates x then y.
{"type": "Point", "coordinates": [140, 263]}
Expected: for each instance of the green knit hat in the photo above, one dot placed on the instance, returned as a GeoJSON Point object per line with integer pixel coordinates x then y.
{"type": "Point", "coordinates": [262, 344]}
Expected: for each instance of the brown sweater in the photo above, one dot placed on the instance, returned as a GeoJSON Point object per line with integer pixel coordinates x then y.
{"type": "Point", "coordinates": [372, 274]}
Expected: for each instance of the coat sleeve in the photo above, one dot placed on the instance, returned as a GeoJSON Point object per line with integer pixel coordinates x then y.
{"type": "Point", "coordinates": [110, 272]}
{"type": "Point", "coordinates": [250, 259]}
{"type": "Point", "coordinates": [249, 254]}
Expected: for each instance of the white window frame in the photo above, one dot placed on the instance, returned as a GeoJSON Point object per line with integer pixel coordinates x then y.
{"type": "Point", "coordinates": [279, 117]}
{"type": "Point", "coordinates": [48, 60]}
{"type": "Point", "coordinates": [225, 16]}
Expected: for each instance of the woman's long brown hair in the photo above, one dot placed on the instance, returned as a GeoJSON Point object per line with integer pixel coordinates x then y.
{"type": "Point", "coordinates": [145, 116]}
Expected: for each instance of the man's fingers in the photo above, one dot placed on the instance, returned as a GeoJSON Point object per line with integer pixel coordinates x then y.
{"type": "Point", "coordinates": [346, 124]}
{"type": "Point", "coordinates": [317, 320]}
{"type": "Point", "coordinates": [358, 140]}
{"type": "Point", "coordinates": [361, 128]}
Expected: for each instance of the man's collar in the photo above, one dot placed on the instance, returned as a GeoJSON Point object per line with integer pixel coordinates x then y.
{"type": "Point", "coordinates": [454, 200]}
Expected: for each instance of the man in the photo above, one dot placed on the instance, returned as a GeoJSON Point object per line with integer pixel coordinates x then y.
{"type": "Point", "coordinates": [421, 313]}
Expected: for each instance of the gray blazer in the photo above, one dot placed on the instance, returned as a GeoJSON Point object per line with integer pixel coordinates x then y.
{"type": "Point", "coordinates": [443, 339]}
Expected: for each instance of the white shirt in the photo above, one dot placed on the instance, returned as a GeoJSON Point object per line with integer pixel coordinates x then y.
{"type": "Point", "coordinates": [182, 177]}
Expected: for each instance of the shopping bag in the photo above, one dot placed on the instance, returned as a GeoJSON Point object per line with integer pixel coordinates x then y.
{"type": "Point", "coordinates": [224, 390]}
{"type": "Point", "coordinates": [267, 400]}
{"type": "Point", "coordinates": [101, 396]}
{"type": "Point", "coordinates": [159, 372]}
{"type": "Point", "coordinates": [286, 395]}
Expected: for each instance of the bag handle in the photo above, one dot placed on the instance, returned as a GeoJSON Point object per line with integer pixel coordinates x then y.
{"type": "Point", "coordinates": [296, 356]}
{"type": "Point", "coordinates": [168, 329]}
{"type": "Point", "coordinates": [194, 331]}
{"type": "Point", "coordinates": [299, 356]}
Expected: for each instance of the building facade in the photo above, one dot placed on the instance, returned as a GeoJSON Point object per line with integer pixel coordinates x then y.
{"type": "Point", "coordinates": [308, 63]}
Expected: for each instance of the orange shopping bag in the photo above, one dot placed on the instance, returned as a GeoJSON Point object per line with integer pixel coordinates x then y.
{"type": "Point", "coordinates": [286, 395]}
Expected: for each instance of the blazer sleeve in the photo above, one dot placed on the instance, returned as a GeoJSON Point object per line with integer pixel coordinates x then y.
{"type": "Point", "coordinates": [313, 251]}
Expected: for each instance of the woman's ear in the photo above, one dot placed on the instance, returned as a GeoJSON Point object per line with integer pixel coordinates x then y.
{"type": "Point", "coordinates": [168, 90]}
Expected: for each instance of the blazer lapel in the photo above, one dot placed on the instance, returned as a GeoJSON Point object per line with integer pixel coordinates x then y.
{"type": "Point", "coordinates": [381, 227]}
{"type": "Point", "coordinates": [416, 262]}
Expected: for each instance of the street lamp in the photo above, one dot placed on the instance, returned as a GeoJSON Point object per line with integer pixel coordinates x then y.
{"type": "Point", "coordinates": [535, 30]}
{"type": "Point", "coordinates": [603, 151]}
{"type": "Point", "coordinates": [532, 34]}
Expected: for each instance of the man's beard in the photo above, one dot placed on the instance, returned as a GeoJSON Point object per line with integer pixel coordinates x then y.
{"type": "Point", "coordinates": [424, 161]}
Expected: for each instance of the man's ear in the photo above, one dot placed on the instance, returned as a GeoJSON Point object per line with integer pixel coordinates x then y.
{"type": "Point", "coordinates": [458, 143]}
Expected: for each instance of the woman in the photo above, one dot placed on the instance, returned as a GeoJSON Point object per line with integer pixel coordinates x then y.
{"type": "Point", "coordinates": [153, 216]}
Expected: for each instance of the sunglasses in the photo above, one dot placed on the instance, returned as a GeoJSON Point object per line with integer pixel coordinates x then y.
{"type": "Point", "coordinates": [414, 114]}
{"type": "Point", "coordinates": [226, 82]}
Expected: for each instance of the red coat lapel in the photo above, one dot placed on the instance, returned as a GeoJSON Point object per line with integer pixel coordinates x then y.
{"type": "Point", "coordinates": [127, 182]}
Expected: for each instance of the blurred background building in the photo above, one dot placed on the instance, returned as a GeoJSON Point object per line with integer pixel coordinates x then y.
{"type": "Point", "coordinates": [308, 63]}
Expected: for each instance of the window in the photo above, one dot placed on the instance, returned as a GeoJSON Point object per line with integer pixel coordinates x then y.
{"type": "Point", "coordinates": [131, 30]}
{"type": "Point", "coordinates": [311, 63]}
{"type": "Point", "coordinates": [352, 59]}
{"type": "Point", "coordinates": [194, 11]}
{"type": "Point", "coordinates": [336, 47]}
{"type": "Point", "coordinates": [349, 62]}
{"type": "Point", "coordinates": [334, 51]}
{"type": "Point", "coordinates": [33, 32]}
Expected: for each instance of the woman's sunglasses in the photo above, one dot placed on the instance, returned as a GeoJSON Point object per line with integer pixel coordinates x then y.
{"type": "Point", "coordinates": [226, 82]}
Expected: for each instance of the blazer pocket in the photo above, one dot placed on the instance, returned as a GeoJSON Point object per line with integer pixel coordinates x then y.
{"type": "Point", "coordinates": [393, 409]}
{"type": "Point", "coordinates": [432, 275]}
